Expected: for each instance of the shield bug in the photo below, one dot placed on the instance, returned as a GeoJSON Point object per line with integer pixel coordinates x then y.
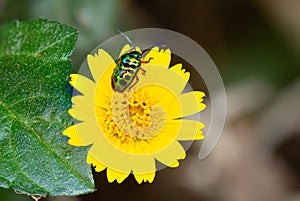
{"type": "Point", "coordinates": [127, 67]}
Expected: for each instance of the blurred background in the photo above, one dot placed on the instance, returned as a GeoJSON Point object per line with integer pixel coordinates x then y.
{"type": "Point", "coordinates": [256, 46]}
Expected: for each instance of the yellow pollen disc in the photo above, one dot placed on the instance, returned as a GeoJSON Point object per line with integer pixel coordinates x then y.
{"type": "Point", "coordinates": [134, 116]}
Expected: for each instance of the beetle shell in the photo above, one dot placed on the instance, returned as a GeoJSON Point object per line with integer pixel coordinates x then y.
{"type": "Point", "coordinates": [127, 66]}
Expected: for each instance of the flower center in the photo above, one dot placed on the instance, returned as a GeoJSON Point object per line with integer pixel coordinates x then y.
{"type": "Point", "coordinates": [134, 116]}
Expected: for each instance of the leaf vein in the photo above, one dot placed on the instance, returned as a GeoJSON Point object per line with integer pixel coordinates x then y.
{"type": "Point", "coordinates": [60, 159]}
{"type": "Point", "coordinates": [56, 42]}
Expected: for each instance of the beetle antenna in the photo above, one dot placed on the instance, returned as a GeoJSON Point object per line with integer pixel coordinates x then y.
{"type": "Point", "coordinates": [149, 48]}
{"type": "Point", "coordinates": [126, 37]}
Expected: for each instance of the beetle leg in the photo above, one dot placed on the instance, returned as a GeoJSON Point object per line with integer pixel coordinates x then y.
{"type": "Point", "coordinates": [143, 71]}
{"type": "Point", "coordinates": [136, 81]}
{"type": "Point", "coordinates": [145, 62]}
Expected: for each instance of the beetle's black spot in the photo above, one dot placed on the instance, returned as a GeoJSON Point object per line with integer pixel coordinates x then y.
{"type": "Point", "coordinates": [123, 82]}
{"type": "Point", "coordinates": [144, 104]}
{"type": "Point", "coordinates": [127, 77]}
{"type": "Point", "coordinates": [132, 66]}
{"type": "Point", "coordinates": [124, 102]}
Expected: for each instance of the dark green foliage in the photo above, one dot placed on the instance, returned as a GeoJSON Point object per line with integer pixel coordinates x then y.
{"type": "Point", "coordinates": [34, 97]}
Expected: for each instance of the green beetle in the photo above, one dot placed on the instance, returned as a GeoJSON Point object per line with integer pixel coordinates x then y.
{"type": "Point", "coordinates": [127, 67]}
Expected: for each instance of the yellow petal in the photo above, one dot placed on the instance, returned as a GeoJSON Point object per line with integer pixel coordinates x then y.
{"type": "Point", "coordinates": [83, 85]}
{"type": "Point", "coordinates": [143, 164]}
{"type": "Point", "coordinates": [72, 133]}
{"type": "Point", "coordinates": [182, 73]}
{"type": "Point", "coordinates": [188, 129]}
{"type": "Point", "coordinates": [125, 49]}
{"type": "Point", "coordinates": [81, 100]}
{"type": "Point", "coordinates": [173, 109]}
{"type": "Point", "coordinates": [161, 141]}
{"type": "Point", "coordinates": [161, 76]}
{"type": "Point", "coordinates": [113, 175]}
{"type": "Point", "coordinates": [160, 57]}
{"type": "Point", "coordinates": [170, 154]}
{"type": "Point", "coordinates": [100, 113]}
{"type": "Point", "coordinates": [190, 103]}
{"type": "Point", "coordinates": [138, 49]}
{"type": "Point", "coordinates": [99, 63]}
{"type": "Point", "coordinates": [80, 114]}
{"type": "Point", "coordinates": [98, 166]}
{"type": "Point", "coordinates": [199, 135]}
{"type": "Point", "coordinates": [144, 177]}
{"type": "Point", "coordinates": [104, 89]}
{"type": "Point", "coordinates": [175, 164]}
{"type": "Point", "coordinates": [110, 156]}
{"type": "Point", "coordinates": [159, 93]}
{"type": "Point", "coordinates": [82, 134]}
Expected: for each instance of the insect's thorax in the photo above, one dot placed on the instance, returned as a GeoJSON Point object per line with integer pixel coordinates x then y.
{"type": "Point", "coordinates": [131, 60]}
{"type": "Point", "coordinates": [127, 66]}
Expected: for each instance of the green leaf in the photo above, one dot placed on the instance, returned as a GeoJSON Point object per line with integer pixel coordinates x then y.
{"type": "Point", "coordinates": [34, 98]}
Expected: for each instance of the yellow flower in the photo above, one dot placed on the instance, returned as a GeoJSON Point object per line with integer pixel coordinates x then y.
{"type": "Point", "coordinates": [128, 131]}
